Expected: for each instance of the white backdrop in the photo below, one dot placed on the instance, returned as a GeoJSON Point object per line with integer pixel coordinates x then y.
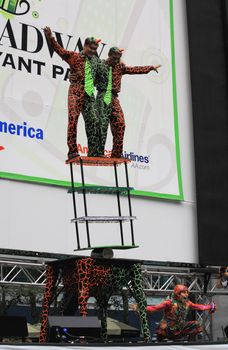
{"type": "Point", "coordinates": [33, 90]}
{"type": "Point", "coordinates": [37, 217]}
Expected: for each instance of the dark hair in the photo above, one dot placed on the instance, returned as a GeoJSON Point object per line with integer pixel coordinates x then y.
{"type": "Point", "coordinates": [223, 269]}
{"type": "Point", "coordinates": [114, 50]}
{"type": "Point", "coordinates": [90, 40]}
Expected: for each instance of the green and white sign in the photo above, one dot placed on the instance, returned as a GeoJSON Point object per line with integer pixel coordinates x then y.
{"type": "Point", "coordinates": [34, 87]}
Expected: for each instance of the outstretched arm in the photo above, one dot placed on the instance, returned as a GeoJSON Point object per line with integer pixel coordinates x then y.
{"type": "Point", "coordinates": [202, 307]}
{"type": "Point", "coordinates": [140, 69]}
{"type": "Point", "coordinates": [152, 308]}
{"type": "Point", "coordinates": [64, 54]}
{"type": "Point", "coordinates": [162, 306]}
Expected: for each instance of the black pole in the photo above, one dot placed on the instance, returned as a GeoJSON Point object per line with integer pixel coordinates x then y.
{"type": "Point", "coordinates": [118, 202]}
{"type": "Point", "coordinates": [85, 204]}
{"type": "Point", "coordinates": [74, 205]}
{"type": "Point", "coordinates": [129, 204]}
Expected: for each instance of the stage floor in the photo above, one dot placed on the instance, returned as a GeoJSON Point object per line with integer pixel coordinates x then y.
{"type": "Point", "coordinates": [166, 346]}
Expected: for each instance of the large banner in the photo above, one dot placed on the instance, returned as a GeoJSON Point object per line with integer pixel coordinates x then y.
{"type": "Point", "coordinates": [34, 86]}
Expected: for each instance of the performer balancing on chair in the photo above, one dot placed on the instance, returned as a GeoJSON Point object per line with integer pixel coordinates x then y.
{"type": "Point", "coordinates": [108, 84]}
{"type": "Point", "coordinates": [174, 324]}
{"type": "Point", "coordinates": [83, 67]}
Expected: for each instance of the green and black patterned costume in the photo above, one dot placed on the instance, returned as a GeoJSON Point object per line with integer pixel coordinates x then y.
{"type": "Point", "coordinates": [108, 84]}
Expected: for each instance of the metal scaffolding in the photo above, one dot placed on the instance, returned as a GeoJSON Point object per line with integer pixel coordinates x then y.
{"type": "Point", "coordinates": [158, 280]}
{"type": "Point", "coordinates": [161, 280]}
{"type": "Point", "coordinates": [16, 272]}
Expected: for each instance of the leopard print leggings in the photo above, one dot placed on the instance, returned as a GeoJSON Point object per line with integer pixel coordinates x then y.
{"type": "Point", "coordinates": [80, 102]}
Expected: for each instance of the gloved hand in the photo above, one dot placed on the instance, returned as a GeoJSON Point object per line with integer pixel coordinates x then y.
{"type": "Point", "coordinates": [213, 307]}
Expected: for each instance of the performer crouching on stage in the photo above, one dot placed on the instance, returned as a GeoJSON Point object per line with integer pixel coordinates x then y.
{"type": "Point", "coordinates": [174, 324]}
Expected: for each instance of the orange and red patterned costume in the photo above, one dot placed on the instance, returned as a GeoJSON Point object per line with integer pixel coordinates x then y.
{"type": "Point", "coordinates": [78, 100]}
{"type": "Point", "coordinates": [174, 324]}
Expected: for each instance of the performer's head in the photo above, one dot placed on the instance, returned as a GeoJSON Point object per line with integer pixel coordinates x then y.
{"type": "Point", "coordinates": [224, 271]}
{"type": "Point", "coordinates": [114, 55]}
{"type": "Point", "coordinates": [181, 292]}
{"type": "Point", "coordinates": [90, 46]}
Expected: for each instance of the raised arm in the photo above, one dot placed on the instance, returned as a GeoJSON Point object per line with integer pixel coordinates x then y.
{"type": "Point", "coordinates": [140, 69]}
{"type": "Point", "coordinates": [64, 54]}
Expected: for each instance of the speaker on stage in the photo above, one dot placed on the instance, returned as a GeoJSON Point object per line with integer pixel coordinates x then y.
{"type": "Point", "coordinates": [13, 326]}
{"type": "Point", "coordinates": [70, 328]}
{"type": "Point", "coordinates": [225, 331]}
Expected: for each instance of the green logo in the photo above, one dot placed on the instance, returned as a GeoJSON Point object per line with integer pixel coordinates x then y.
{"type": "Point", "coordinates": [15, 7]}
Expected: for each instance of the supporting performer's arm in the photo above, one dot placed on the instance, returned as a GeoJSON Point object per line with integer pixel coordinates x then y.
{"type": "Point", "coordinates": [64, 54]}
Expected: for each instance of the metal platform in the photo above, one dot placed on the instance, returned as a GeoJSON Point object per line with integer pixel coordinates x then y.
{"type": "Point", "coordinates": [103, 219]}
{"type": "Point", "coordinates": [97, 161]}
{"type": "Point", "coordinates": [120, 247]}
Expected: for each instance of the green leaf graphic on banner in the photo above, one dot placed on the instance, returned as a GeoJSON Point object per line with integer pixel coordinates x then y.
{"type": "Point", "coordinates": [8, 8]}
{"type": "Point", "coordinates": [6, 15]}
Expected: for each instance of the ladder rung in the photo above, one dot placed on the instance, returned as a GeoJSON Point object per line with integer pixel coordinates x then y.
{"type": "Point", "coordinates": [100, 189]}
{"type": "Point", "coordinates": [99, 219]}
